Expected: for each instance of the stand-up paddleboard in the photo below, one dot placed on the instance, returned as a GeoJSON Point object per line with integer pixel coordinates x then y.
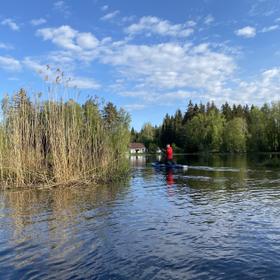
{"type": "Point", "coordinates": [169, 165]}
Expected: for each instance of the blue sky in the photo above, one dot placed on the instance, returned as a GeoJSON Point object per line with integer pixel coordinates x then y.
{"type": "Point", "coordinates": [149, 57]}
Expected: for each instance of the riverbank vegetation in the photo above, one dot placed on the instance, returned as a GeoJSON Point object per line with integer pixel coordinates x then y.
{"type": "Point", "coordinates": [206, 128]}
{"type": "Point", "coordinates": [61, 142]}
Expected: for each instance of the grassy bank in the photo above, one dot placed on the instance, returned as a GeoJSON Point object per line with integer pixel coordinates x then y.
{"type": "Point", "coordinates": [56, 142]}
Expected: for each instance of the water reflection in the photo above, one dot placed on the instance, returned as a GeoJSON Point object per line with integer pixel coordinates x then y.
{"type": "Point", "coordinates": [138, 160]}
{"type": "Point", "coordinates": [50, 227]}
{"type": "Point", "coordinates": [218, 220]}
{"type": "Point", "coordinates": [169, 177]}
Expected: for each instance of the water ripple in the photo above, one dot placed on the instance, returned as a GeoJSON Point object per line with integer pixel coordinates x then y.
{"type": "Point", "coordinates": [222, 224]}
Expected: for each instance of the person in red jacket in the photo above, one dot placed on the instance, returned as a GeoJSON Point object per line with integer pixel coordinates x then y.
{"type": "Point", "coordinates": [169, 154]}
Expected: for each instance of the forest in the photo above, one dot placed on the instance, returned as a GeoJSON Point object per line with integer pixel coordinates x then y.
{"type": "Point", "coordinates": [207, 128]}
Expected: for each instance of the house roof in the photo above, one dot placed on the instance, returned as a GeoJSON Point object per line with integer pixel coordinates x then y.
{"type": "Point", "coordinates": [136, 146]}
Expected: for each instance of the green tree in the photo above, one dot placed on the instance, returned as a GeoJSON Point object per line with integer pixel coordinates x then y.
{"type": "Point", "coordinates": [257, 126]}
{"type": "Point", "coordinates": [167, 132]}
{"type": "Point", "coordinates": [192, 110]}
{"type": "Point", "coordinates": [205, 131]}
{"type": "Point", "coordinates": [235, 135]}
{"type": "Point", "coordinates": [226, 111]}
{"type": "Point", "coordinates": [147, 136]}
{"type": "Point", "coordinates": [133, 135]}
{"type": "Point", "coordinates": [273, 127]}
{"type": "Point", "coordinates": [110, 114]}
{"type": "Point", "coordinates": [178, 127]}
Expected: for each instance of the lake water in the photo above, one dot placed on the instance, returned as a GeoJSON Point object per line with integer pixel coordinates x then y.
{"type": "Point", "coordinates": [218, 220]}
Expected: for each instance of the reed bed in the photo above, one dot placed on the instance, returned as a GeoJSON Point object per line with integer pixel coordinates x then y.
{"type": "Point", "coordinates": [54, 142]}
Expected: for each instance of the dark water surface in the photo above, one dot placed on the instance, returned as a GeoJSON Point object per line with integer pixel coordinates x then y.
{"type": "Point", "coordinates": [218, 220]}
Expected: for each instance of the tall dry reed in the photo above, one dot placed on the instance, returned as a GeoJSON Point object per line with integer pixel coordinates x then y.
{"type": "Point", "coordinates": [56, 142]}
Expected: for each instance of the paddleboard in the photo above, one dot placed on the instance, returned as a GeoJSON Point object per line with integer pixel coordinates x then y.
{"type": "Point", "coordinates": [169, 165]}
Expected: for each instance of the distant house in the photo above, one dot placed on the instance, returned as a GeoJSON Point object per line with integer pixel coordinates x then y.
{"type": "Point", "coordinates": [137, 148]}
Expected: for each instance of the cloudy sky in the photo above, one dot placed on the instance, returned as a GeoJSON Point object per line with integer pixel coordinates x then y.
{"type": "Point", "coordinates": [149, 57]}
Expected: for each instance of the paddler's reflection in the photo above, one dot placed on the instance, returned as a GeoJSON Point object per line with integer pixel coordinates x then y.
{"type": "Point", "coordinates": [170, 182]}
{"type": "Point", "coordinates": [169, 177]}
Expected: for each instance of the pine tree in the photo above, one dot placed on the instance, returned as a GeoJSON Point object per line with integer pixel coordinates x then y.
{"type": "Point", "coordinates": [226, 111]}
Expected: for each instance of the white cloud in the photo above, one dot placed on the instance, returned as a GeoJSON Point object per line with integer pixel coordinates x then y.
{"type": "Point", "coordinates": [45, 71]}
{"type": "Point", "coordinates": [165, 73]}
{"type": "Point", "coordinates": [63, 58]}
{"type": "Point", "coordinates": [10, 23]}
{"type": "Point", "coordinates": [201, 48]}
{"type": "Point", "coordinates": [63, 36]}
{"type": "Point", "coordinates": [264, 8]}
{"type": "Point", "coordinates": [38, 21]}
{"type": "Point", "coordinates": [151, 97]}
{"type": "Point", "coordinates": [110, 16]}
{"type": "Point", "coordinates": [191, 23]}
{"type": "Point", "coordinates": [171, 70]}
{"type": "Point", "coordinates": [159, 68]}
{"type": "Point", "coordinates": [134, 107]}
{"type": "Point", "coordinates": [83, 83]}
{"type": "Point", "coordinates": [160, 73]}
{"type": "Point", "coordinates": [271, 75]}
{"type": "Point", "coordinates": [87, 41]}
{"type": "Point", "coordinates": [209, 19]}
{"type": "Point", "coordinates": [154, 25]}
{"type": "Point", "coordinates": [9, 63]}
{"type": "Point", "coordinates": [13, 79]}
{"type": "Point", "coordinates": [6, 46]}
{"type": "Point", "coordinates": [104, 8]}
{"type": "Point", "coordinates": [264, 88]}
{"type": "Point", "coordinates": [37, 67]}
{"type": "Point", "coordinates": [62, 7]}
{"type": "Point", "coordinates": [69, 38]}
{"type": "Point", "coordinates": [270, 28]}
{"type": "Point", "coordinates": [128, 19]}
{"type": "Point", "coordinates": [76, 45]}
{"type": "Point", "coordinates": [53, 75]}
{"type": "Point", "coordinates": [171, 65]}
{"type": "Point", "coordinates": [247, 32]}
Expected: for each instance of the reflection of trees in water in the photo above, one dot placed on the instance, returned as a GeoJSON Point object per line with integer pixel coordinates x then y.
{"type": "Point", "coordinates": [57, 213]}
{"type": "Point", "coordinates": [49, 226]}
{"type": "Point", "coordinates": [216, 171]}
{"type": "Point", "coordinates": [227, 177]}
{"type": "Point", "coordinates": [217, 175]}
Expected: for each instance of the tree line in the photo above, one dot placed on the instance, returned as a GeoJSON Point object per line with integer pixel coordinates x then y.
{"type": "Point", "coordinates": [207, 128]}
